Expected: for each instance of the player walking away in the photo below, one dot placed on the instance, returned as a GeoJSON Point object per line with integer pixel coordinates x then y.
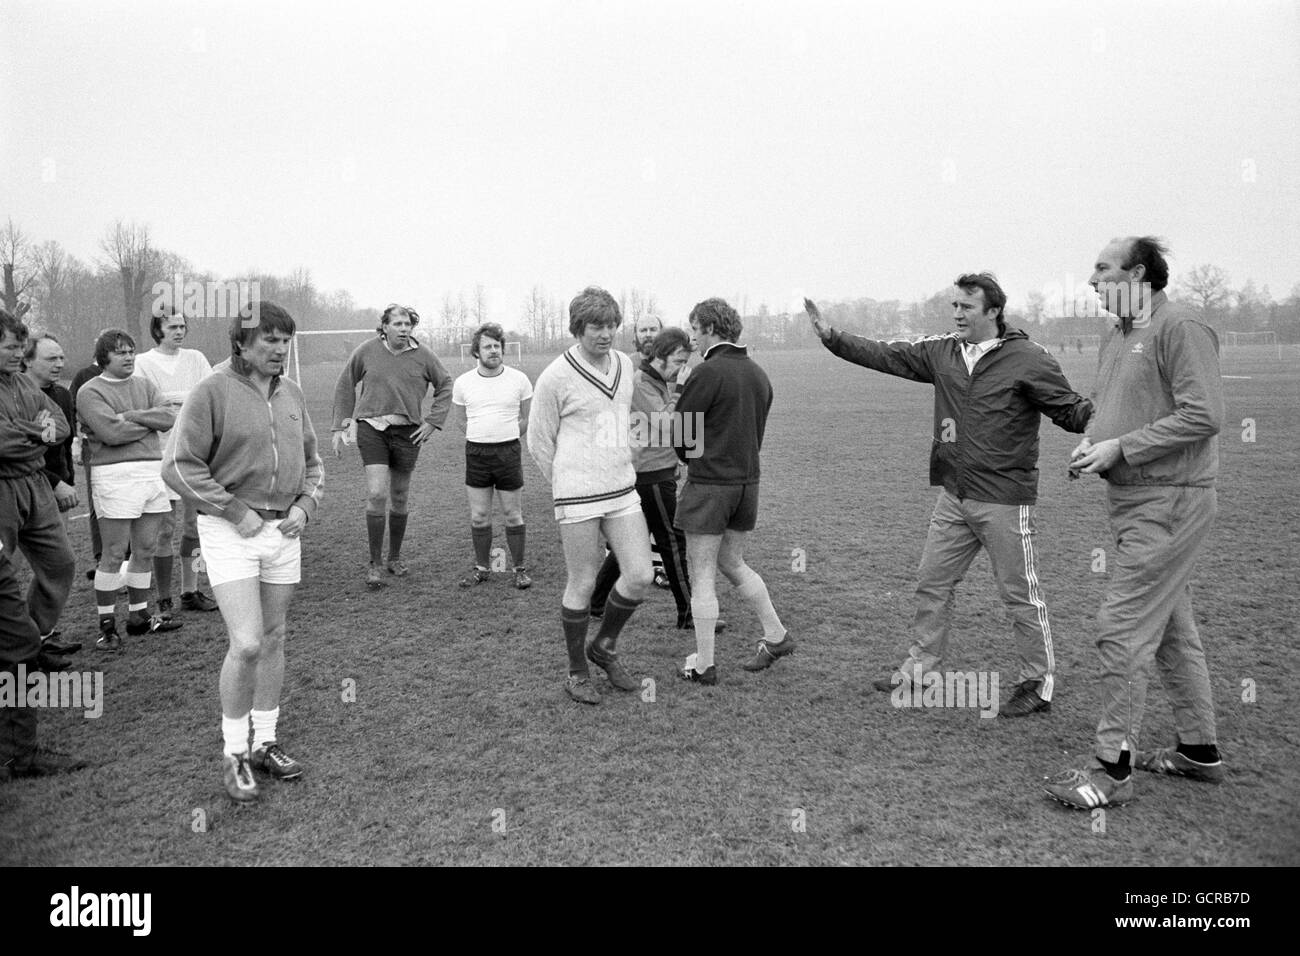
{"type": "Point", "coordinates": [991, 384]}
{"type": "Point", "coordinates": [492, 399]}
{"type": "Point", "coordinates": [244, 455]}
{"type": "Point", "coordinates": [729, 396]}
{"type": "Point", "coordinates": [31, 425]}
{"type": "Point", "coordinates": [577, 436]}
{"type": "Point", "coordinates": [656, 389]}
{"type": "Point", "coordinates": [175, 371]}
{"type": "Point", "coordinates": [123, 416]}
{"type": "Point", "coordinates": [1153, 438]}
{"type": "Point", "coordinates": [20, 643]}
{"type": "Point", "coordinates": [394, 372]}
{"type": "Point", "coordinates": [43, 362]}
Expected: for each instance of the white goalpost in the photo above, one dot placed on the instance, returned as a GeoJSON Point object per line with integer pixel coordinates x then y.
{"type": "Point", "coordinates": [1236, 340]}
{"type": "Point", "coordinates": [295, 360]}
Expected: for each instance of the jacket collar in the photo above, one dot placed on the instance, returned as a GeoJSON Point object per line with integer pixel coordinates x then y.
{"type": "Point", "coordinates": [725, 348]}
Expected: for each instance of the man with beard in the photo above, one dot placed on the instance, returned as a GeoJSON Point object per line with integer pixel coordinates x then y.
{"type": "Point", "coordinates": [492, 400]}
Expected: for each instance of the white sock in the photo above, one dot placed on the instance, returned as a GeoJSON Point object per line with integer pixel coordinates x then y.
{"type": "Point", "coordinates": [234, 731]}
{"type": "Point", "coordinates": [108, 581]}
{"type": "Point", "coordinates": [264, 726]}
{"type": "Point", "coordinates": [705, 614]}
{"type": "Point", "coordinates": [753, 592]}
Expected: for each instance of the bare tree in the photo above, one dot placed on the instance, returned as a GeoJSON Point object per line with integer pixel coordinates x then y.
{"type": "Point", "coordinates": [1206, 287]}
{"type": "Point", "coordinates": [479, 304]}
{"type": "Point", "coordinates": [300, 292]}
{"type": "Point", "coordinates": [128, 251]}
{"type": "Point", "coordinates": [51, 263]}
{"type": "Point", "coordinates": [536, 316]}
{"type": "Point", "coordinates": [19, 274]}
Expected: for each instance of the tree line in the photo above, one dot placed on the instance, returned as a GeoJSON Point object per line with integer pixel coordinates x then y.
{"type": "Point", "coordinates": [56, 292]}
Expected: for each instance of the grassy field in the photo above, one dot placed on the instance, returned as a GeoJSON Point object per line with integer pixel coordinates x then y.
{"type": "Point", "coordinates": [461, 748]}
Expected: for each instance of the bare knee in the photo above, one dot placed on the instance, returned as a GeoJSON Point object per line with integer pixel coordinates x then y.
{"type": "Point", "coordinates": [377, 502]}
{"type": "Point", "coordinates": [480, 517]}
{"type": "Point", "coordinates": [245, 649]}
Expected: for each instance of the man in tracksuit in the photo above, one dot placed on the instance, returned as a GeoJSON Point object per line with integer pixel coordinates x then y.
{"type": "Point", "coordinates": [244, 455]}
{"type": "Point", "coordinates": [1153, 437]}
{"type": "Point", "coordinates": [990, 386]}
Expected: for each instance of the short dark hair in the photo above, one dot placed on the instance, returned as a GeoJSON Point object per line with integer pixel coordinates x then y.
{"type": "Point", "coordinates": [490, 329]}
{"type": "Point", "coordinates": [109, 341]}
{"type": "Point", "coordinates": [1150, 252]}
{"type": "Point", "coordinates": [994, 297]}
{"type": "Point", "coordinates": [12, 325]}
{"type": "Point", "coordinates": [392, 310]}
{"type": "Point", "coordinates": [669, 341]}
{"type": "Point", "coordinates": [593, 306]}
{"type": "Point", "coordinates": [157, 320]}
{"type": "Point", "coordinates": [269, 318]}
{"type": "Point", "coordinates": [33, 341]}
{"type": "Point", "coordinates": [718, 318]}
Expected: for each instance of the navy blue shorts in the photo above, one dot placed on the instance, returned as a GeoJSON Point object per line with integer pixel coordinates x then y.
{"type": "Point", "coordinates": [497, 465]}
{"type": "Point", "coordinates": [392, 446]}
{"type": "Point", "coordinates": [713, 509]}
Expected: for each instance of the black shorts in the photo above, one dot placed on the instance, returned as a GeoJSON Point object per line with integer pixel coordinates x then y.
{"type": "Point", "coordinates": [499, 465]}
{"type": "Point", "coordinates": [392, 446]}
{"type": "Point", "coordinates": [712, 509]}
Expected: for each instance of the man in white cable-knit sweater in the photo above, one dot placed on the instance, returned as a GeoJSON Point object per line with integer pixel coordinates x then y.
{"type": "Point", "coordinates": [578, 435]}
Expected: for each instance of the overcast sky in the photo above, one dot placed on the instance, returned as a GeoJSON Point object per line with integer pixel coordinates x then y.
{"type": "Point", "coordinates": [756, 150]}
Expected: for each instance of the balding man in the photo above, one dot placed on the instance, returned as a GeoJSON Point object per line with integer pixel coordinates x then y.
{"type": "Point", "coordinates": [1153, 438]}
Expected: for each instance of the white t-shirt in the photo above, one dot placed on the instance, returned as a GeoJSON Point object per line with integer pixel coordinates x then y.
{"type": "Point", "coordinates": [492, 403]}
{"type": "Point", "coordinates": [175, 376]}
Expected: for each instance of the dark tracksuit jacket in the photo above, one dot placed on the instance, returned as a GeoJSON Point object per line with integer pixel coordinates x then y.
{"type": "Point", "coordinates": [985, 444]}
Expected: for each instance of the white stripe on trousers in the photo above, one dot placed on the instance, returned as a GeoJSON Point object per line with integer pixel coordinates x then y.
{"type": "Point", "coordinates": [1036, 599]}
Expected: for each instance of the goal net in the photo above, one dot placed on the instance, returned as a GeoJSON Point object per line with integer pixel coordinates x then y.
{"type": "Point", "coordinates": [337, 345]}
{"type": "Point", "coordinates": [1241, 340]}
{"type": "Point", "coordinates": [514, 354]}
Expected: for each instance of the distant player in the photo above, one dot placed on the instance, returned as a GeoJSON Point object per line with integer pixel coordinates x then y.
{"type": "Point", "coordinates": [123, 417]}
{"type": "Point", "coordinates": [492, 399]}
{"type": "Point", "coordinates": [244, 455]}
{"type": "Point", "coordinates": [576, 434]}
{"type": "Point", "coordinates": [394, 372]}
{"type": "Point", "coordinates": [729, 397]}
{"type": "Point", "coordinates": [175, 371]}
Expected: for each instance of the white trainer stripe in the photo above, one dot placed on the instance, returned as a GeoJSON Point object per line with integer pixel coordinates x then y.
{"type": "Point", "coordinates": [1036, 599]}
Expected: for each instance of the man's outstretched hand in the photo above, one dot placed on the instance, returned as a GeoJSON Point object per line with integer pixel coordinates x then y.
{"type": "Point", "coordinates": [820, 326]}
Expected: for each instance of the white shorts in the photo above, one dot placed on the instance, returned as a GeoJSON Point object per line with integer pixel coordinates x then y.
{"type": "Point", "coordinates": [129, 489]}
{"type": "Point", "coordinates": [623, 505]}
{"type": "Point", "coordinates": [268, 556]}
